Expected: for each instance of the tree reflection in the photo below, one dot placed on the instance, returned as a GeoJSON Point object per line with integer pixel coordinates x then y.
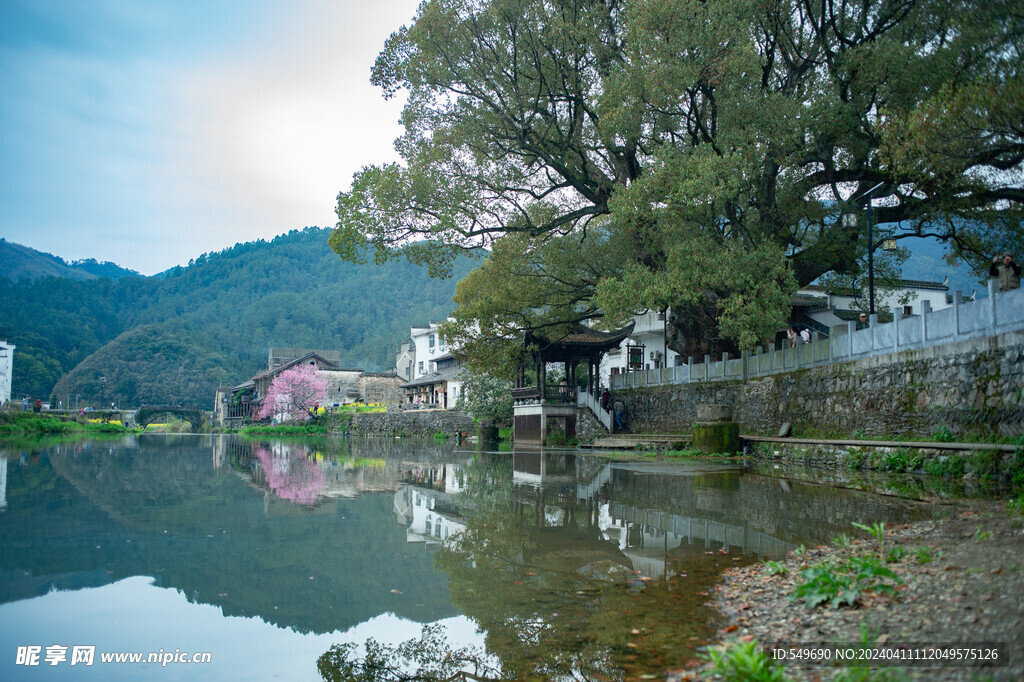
{"type": "Point", "coordinates": [292, 473]}
{"type": "Point", "coordinates": [427, 659]}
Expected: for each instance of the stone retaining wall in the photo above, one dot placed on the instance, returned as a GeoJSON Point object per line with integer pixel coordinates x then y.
{"type": "Point", "coordinates": [969, 387]}
{"type": "Point", "coordinates": [411, 423]}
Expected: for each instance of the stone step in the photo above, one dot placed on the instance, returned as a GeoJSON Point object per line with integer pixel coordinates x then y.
{"type": "Point", "coordinates": [635, 440]}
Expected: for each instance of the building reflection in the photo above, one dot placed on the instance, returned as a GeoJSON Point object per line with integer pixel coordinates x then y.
{"type": "Point", "coordinates": [645, 519]}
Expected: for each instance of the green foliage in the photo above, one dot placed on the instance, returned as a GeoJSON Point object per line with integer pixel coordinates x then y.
{"type": "Point", "coordinates": [738, 661]}
{"type": "Point", "coordinates": [843, 584]}
{"type": "Point", "coordinates": [306, 429]}
{"type": "Point", "coordinates": [924, 555]}
{"type": "Point", "coordinates": [896, 461]}
{"type": "Point", "coordinates": [19, 423]}
{"type": "Point", "coordinates": [486, 397]}
{"type": "Point", "coordinates": [951, 466]}
{"type": "Point", "coordinates": [1016, 506]}
{"type": "Point", "coordinates": [944, 435]}
{"type": "Point", "coordinates": [915, 460]}
{"type": "Point", "coordinates": [855, 459]}
{"type": "Point", "coordinates": [776, 568]}
{"type": "Point", "coordinates": [985, 464]}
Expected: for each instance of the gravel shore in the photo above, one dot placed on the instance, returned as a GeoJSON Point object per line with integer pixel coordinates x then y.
{"type": "Point", "coordinates": [962, 581]}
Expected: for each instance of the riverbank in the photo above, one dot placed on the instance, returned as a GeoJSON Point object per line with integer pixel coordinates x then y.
{"type": "Point", "coordinates": [959, 578]}
{"type": "Point", "coordinates": [33, 423]}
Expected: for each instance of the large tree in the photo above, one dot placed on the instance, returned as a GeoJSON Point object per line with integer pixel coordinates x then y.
{"type": "Point", "coordinates": [712, 143]}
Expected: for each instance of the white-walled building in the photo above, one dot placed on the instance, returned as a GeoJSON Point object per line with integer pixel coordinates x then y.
{"type": "Point", "coordinates": [645, 348]}
{"type": "Point", "coordinates": [834, 308]}
{"type": "Point", "coordinates": [430, 371]}
{"type": "Point", "coordinates": [6, 370]}
{"type": "Point", "coordinates": [823, 310]}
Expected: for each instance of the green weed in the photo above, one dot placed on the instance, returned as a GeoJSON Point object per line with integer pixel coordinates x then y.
{"type": "Point", "coordinates": [842, 541]}
{"type": "Point", "coordinates": [896, 461]}
{"type": "Point", "coordinates": [876, 530]}
{"type": "Point", "coordinates": [743, 661]}
{"type": "Point", "coordinates": [776, 568]}
{"type": "Point", "coordinates": [843, 584]}
{"type": "Point", "coordinates": [895, 554]}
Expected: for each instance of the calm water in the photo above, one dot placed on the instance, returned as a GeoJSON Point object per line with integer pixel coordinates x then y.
{"type": "Point", "coordinates": [265, 553]}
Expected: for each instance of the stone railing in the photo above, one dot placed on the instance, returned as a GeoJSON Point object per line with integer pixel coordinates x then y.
{"type": "Point", "coordinates": [997, 314]}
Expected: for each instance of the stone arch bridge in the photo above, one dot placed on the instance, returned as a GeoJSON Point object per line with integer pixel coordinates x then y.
{"type": "Point", "coordinates": [147, 414]}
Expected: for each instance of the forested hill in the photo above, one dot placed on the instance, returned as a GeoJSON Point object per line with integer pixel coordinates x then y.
{"type": "Point", "coordinates": [211, 323]}
{"type": "Point", "coordinates": [21, 262]}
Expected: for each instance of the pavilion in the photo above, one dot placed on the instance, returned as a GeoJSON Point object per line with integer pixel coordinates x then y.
{"type": "Point", "coordinates": [539, 409]}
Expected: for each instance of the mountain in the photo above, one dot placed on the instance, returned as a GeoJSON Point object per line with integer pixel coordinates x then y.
{"type": "Point", "coordinates": [926, 263]}
{"type": "Point", "coordinates": [22, 262]}
{"type": "Point", "coordinates": [155, 364]}
{"type": "Point", "coordinates": [226, 309]}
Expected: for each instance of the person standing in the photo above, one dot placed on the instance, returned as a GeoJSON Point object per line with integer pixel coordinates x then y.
{"type": "Point", "coordinates": [1007, 272]}
{"type": "Point", "coordinates": [620, 414]}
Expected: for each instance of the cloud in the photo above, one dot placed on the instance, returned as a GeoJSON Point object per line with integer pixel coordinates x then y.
{"type": "Point", "coordinates": [148, 133]}
{"type": "Point", "coordinates": [273, 133]}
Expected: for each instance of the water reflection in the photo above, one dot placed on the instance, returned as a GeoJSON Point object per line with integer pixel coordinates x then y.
{"type": "Point", "coordinates": [568, 565]}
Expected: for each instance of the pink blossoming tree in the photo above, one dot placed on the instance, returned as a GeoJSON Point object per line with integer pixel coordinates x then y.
{"type": "Point", "coordinates": [294, 393]}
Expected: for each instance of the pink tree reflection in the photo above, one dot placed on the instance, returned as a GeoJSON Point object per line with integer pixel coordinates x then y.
{"type": "Point", "coordinates": [292, 473]}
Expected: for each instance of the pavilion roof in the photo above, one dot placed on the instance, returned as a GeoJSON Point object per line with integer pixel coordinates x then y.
{"type": "Point", "coordinates": [578, 342]}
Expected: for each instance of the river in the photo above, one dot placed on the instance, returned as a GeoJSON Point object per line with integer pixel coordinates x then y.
{"type": "Point", "coordinates": [256, 556]}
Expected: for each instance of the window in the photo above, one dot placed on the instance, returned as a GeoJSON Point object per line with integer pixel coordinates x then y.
{"type": "Point", "coordinates": [431, 340]}
{"type": "Point", "coordinates": [419, 367]}
{"type": "Point", "coordinates": [908, 310]}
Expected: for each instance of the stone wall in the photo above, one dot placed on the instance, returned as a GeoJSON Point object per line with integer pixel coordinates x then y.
{"type": "Point", "coordinates": [588, 428]}
{"type": "Point", "coordinates": [381, 388]}
{"type": "Point", "coordinates": [968, 387]}
{"type": "Point", "coordinates": [411, 423]}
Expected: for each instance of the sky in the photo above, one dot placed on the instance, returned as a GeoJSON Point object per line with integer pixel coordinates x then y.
{"type": "Point", "coordinates": [149, 132]}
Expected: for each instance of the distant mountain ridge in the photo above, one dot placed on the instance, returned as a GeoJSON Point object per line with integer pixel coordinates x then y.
{"type": "Point", "coordinates": [179, 336]}
{"type": "Point", "coordinates": [19, 262]}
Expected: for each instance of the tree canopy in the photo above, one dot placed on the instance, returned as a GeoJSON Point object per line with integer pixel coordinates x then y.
{"type": "Point", "coordinates": [705, 147]}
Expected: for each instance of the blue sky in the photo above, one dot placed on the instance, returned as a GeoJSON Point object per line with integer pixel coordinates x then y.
{"type": "Point", "coordinates": [147, 132]}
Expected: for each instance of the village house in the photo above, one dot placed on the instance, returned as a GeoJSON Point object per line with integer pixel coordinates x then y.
{"type": "Point", "coordinates": [6, 370]}
{"type": "Point", "coordinates": [824, 311]}
{"type": "Point", "coordinates": [344, 385]}
{"type": "Point", "coordinates": [432, 373]}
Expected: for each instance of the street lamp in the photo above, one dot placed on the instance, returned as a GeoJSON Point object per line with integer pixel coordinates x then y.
{"type": "Point", "coordinates": [849, 222]}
